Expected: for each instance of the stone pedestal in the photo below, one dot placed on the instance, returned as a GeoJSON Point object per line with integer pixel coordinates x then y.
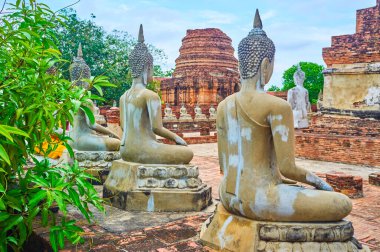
{"type": "Point", "coordinates": [374, 179]}
{"type": "Point", "coordinates": [161, 188]}
{"type": "Point", "coordinates": [350, 185]}
{"type": "Point", "coordinates": [228, 232]}
{"type": "Point", "coordinates": [97, 163]}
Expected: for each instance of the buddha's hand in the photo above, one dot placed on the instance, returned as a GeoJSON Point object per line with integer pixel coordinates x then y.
{"type": "Point", "coordinates": [318, 183]}
{"type": "Point", "coordinates": [180, 141]}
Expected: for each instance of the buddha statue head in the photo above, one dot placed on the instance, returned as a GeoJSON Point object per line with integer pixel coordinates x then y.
{"type": "Point", "coordinates": [79, 70]}
{"type": "Point", "coordinates": [299, 76]}
{"type": "Point", "coordinates": [256, 54]}
{"type": "Point", "coordinates": [141, 61]}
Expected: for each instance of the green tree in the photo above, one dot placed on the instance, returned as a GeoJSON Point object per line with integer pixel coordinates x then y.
{"type": "Point", "coordinates": [105, 53]}
{"type": "Point", "coordinates": [35, 101]}
{"type": "Point", "coordinates": [313, 81]}
{"type": "Point", "coordinates": [274, 88]}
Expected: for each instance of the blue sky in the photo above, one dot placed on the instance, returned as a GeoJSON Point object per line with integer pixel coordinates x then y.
{"type": "Point", "coordinates": [299, 28]}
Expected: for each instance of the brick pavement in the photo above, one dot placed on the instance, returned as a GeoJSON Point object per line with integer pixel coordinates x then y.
{"type": "Point", "coordinates": [180, 232]}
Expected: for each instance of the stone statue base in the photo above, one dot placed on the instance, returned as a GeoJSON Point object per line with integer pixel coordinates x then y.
{"type": "Point", "coordinates": [185, 118]}
{"type": "Point", "coordinates": [228, 232]}
{"type": "Point", "coordinates": [97, 163]}
{"type": "Point", "coordinates": [169, 118]}
{"type": "Point", "coordinates": [200, 117]}
{"type": "Point", "coordinates": [156, 188]}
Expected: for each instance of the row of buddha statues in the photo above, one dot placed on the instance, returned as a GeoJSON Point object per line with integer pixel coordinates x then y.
{"type": "Point", "coordinates": [256, 149]}
{"type": "Point", "coordinates": [185, 116]}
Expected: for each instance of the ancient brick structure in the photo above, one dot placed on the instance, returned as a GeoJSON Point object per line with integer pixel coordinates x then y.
{"type": "Point", "coordinates": [206, 71]}
{"type": "Point", "coordinates": [340, 139]}
{"type": "Point", "coordinates": [352, 186]}
{"type": "Point", "coordinates": [361, 47]}
{"type": "Point", "coordinates": [352, 85]}
{"type": "Point", "coordinates": [374, 179]}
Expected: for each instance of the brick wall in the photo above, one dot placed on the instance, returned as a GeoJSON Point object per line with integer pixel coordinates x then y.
{"type": "Point", "coordinates": [361, 47]}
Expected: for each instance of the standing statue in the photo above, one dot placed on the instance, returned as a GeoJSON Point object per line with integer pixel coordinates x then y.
{"type": "Point", "coordinates": [298, 97]}
{"type": "Point", "coordinates": [87, 136]}
{"type": "Point", "coordinates": [212, 112]}
{"type": "Point", "coordinates": [141, 118]}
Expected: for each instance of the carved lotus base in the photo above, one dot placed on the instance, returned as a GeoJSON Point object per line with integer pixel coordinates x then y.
{"type": "Point", "coordinates": [156, 188]}
{"type": "Point", "coordinates": [97, 163]}
{"type": "Point", "coordinates": [228, 232]}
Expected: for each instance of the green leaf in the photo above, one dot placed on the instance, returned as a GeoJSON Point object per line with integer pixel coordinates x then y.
{"type": "Point", "coordinates": [37, 198]}
{"type": "Point", "coordinates": [99, 89]}
{"type": "Point", "coordinates": [53, 240]}
{"type": "Point", "coordinates": [14, 220]}
{"type": "Point", "coordinates": [4, 155]}
{"type": "Point", "coordinates": [2, 205]}
{"type": "Point", "coordinates": [89, 113]}
{"type": "Point", "coordinates": [2, 188]}
{"type": "Point", "coordinates": [14, 130]}
{"type": "Point", "coordinates": [4, 216]}
{"type": "Point", "coordinates": [5, 133]}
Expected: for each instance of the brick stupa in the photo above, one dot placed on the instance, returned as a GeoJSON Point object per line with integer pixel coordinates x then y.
{"type": "Point", "coordinates": [352, 80]}
{"type": "Point", "coordinates": [206, 70]}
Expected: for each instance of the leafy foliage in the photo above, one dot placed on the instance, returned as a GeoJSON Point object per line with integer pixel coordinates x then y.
{"type": "Point", "coordinates": [35, 102]}
{"type": "Point", "coordinates": [313, 82]}
{"type": "Point", "coordinates": [274, 88]}
{"type": "Point", "coordinates": [105, 53]}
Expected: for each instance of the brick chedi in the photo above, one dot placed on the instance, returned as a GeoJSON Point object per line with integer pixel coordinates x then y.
{"type": "Point", "coordinates": [206, 70]}
{"type": "Point", "coordinates": [352, 83]}
{"type": "Point", "coordinates": [348, 130]}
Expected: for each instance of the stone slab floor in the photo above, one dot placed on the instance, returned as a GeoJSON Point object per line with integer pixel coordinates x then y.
{"type": "Point", "coordinates": [130, 231]}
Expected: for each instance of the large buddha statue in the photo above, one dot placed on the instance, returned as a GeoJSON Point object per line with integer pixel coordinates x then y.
{"type": "Point", "coordinates": [141, 117]}
{"type": "Point", "coordinates": [87, 136]}
{"type": "Point", "coordinates": [256, 149]}
{"type": "Point", "coordinates": [298, 97]}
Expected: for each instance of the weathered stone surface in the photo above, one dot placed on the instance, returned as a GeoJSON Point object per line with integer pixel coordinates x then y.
{"type": "Point", "coordinates": [228, 232]}
{"type": "Point", "coordinates": [351, 80]}
{"type": "Point", "coordinates": [139, 187]}
{"type": "Point", "coordinates": [97, 163]}
{"type": "Point", "coordinates": [206, 70]}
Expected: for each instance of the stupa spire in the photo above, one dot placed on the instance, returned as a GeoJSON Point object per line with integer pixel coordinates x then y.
{"type": "Point", "coordinates": [141, 34]}
{"type": "Point", "coordinates": [80, 53]}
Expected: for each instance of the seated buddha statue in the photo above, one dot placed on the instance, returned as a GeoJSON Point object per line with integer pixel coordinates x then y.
{"type": "Point", "coordinates": [141, 117]}
{"type": "Point", "coordinates": [256, 149]}
{"type": "Point", "coordinates": [212, 112]}
{"type": "Point", "coordinates": [183, 113]}
{"type": "Point", "coordinates": [298, 97]}
{"type": "Point", "coordinates": [198, 112]}
{"type": "Point", "coordinates": [85, 135]}
{"type": "Point", "coordinates": [168, 113]}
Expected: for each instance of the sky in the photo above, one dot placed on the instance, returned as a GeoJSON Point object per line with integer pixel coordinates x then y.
{"type": "Point", "coordinates": [298, 28]}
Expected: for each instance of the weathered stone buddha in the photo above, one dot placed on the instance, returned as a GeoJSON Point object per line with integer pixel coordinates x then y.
{"type": "Point", "coordinates": [151, 176]}
{"type": "Point", "coordinates": [99, 119]}
{"type": "Point", "coordinates": [94, 145]}
{"type": "Point", "coordinates": [87, 136]}
{"type": "Point", "coordinates": [258, 211]}
{"type": "Point", "coordinates": [198, 113]}
{"type": "Point", "coordinates": [168, 113]}
{"type": "Point", "coordinates": [298, 97]}
{"type": "Point", "coordinates": [183, 113]}
{"type": "Point", "coordinates": [212, 112]}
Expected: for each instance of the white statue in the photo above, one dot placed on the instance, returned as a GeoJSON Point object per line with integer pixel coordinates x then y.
{"type": "Point", "coordinates": [168, 113]}
{"type": "Point", "coordinates": [212, 112]}
{"type": "Point", "coordinates": [198, 112]}
{"type": "Point", "coordinates": [183, 113]}
{"type": "Point", "coordinates": [298, 97]}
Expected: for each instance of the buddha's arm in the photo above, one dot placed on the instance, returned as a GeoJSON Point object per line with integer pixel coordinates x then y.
{"type": "Point", "coordinates": [155, 117]}
{"type": "Point", "coordinates": [100, 129]}
{"type": "Point", "coordinates": [123, 118]}
{"type": "Point", "coordinates": [284, 142]}
{"type": "Point", "coordinates": [222, 140]}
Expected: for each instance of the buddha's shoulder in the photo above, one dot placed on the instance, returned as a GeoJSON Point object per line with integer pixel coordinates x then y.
{"type": "Point", "coordinates": [149, 94]}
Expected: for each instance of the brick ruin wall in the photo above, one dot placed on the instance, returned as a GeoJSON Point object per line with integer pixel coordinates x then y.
{"type": "Point", "coordinates": [361, 47]}
{"type": "Point", "coordinates": [340, 139]}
